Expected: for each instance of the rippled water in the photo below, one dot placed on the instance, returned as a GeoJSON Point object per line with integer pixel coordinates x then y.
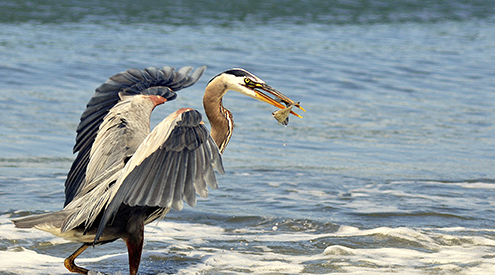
{"type": "Point", "coordinates": [391, 169]}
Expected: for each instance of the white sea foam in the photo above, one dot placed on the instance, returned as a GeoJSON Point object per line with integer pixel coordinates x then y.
{"type": "Point", "coordinates": [251, 250]}
{"type": "Point", "coordinates": [23, 261]}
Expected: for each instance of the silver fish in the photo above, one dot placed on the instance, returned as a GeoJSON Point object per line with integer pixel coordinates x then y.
{"type": "Point", "coordinates": [282, 115]}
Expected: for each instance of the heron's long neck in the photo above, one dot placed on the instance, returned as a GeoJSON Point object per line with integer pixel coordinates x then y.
{"type": "Point", "coordinates": [220, 118]}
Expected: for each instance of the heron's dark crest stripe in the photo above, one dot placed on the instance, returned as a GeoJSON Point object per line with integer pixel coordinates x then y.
{"type": "Point", "coordinates": [235, 72]}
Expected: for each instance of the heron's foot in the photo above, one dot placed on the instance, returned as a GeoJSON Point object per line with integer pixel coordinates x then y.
{"type": "Point", "coordinates": [72, 267]}
{"type": "Point", "coordinates": [69, 262]}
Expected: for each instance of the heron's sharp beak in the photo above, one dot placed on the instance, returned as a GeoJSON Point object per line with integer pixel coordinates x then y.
{"type": "Point", "coordinates": [277, 98]}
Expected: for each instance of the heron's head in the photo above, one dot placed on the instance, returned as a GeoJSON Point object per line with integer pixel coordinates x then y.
{"type": "Point", "coordinates": [246, 83]}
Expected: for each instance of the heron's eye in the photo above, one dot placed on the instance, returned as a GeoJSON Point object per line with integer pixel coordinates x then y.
{"type": "Point", "coordinates": [249, 82]}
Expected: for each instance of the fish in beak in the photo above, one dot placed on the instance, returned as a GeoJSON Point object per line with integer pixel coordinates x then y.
{"type": "Point", "coordinates": [266, 93]}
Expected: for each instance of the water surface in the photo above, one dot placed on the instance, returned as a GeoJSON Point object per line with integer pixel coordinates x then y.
{"type": "Point", "coordinates": [391, 169]}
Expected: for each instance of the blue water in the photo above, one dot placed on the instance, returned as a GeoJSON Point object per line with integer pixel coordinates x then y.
{"type": "Point", "coordinates": [390, 170]}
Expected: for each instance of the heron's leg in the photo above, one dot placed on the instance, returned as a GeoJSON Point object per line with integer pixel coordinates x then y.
{"type": "Point", "coordinates": [134, 249]}
{"type": "Point", "coordinates": [69, 262]}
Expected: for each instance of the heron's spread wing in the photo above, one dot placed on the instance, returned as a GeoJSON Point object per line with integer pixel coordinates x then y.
{"type": "Point", "coordinates": [150, 81]}
{"type": "Point", "coordinates": [122, 131]}
{"type": "Point", "coordinates": [173, 163]}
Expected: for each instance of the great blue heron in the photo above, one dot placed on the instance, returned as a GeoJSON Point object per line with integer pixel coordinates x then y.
{"type": "Point", "coordinates": [125, 176]}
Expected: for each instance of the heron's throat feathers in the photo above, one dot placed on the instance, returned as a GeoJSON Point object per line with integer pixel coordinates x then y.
{"type": "Point", "coordinates": [221, 120]}
{"type": "Point", "coordinates": [222, 124]}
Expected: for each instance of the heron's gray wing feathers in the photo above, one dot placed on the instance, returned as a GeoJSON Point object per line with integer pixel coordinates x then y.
{"type": "Point", "coordinates": [173, 163]}
{"type": "Point", "coordinates": [150, 81]}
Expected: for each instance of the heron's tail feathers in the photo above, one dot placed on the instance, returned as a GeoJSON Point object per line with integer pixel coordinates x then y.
{"type": "Point", "coordinates": [53, 219]}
